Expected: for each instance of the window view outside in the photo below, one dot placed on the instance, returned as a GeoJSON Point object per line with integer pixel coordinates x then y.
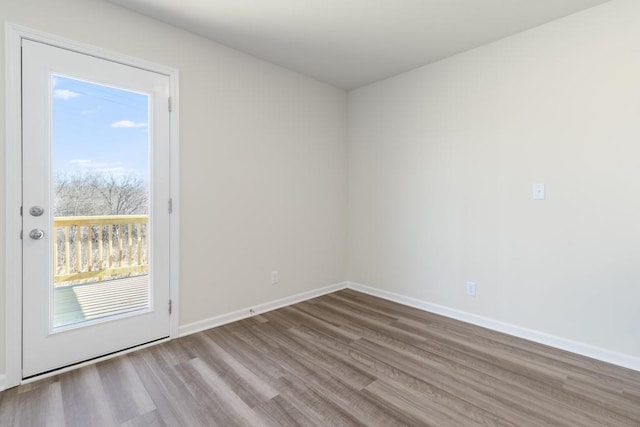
{"type": "Point", "coordinates": [100, 181]}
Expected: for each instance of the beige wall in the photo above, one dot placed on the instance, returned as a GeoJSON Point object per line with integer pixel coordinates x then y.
{"type": "Point", "coordinates": [441, 164]}
{"type": "Point", "coordinates": [263, 159]}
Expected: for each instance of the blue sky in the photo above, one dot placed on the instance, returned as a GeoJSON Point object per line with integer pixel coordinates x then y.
{"type": "Point", "coordinates": [98, 128]}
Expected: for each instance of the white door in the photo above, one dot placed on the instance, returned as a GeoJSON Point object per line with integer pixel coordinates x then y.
{"type": "Point", "coordinates": [96, 155]}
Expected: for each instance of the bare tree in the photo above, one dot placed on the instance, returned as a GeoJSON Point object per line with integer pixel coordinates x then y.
{"type": "Point", "coordinates": [73, 196]}
{"type": "Point", "coordinates": [125, 195]}
{"type": "Point", "coordinates": [99, 194]}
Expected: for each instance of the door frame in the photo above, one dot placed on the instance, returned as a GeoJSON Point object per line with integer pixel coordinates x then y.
{"type": "Point", "coordinates": [14, 34]}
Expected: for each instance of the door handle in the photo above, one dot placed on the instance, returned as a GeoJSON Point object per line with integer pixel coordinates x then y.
{"type": "Point", "coordinates": [36, 234]}
{"type": "Point", "coordinates": [36, 211]}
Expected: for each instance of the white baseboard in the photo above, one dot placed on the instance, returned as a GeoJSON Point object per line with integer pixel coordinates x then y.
{"type": "Point", "coordinates": [223, 319]}
{"type": "Point", "coordinates": [587, 350]}
{"type": "Point", "coordinates": [3, 382]}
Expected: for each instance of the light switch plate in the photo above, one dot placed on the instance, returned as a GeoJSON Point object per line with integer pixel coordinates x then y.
{"type": "Point", "coordinates": [538, 191]}
{"type": "Point", "coordinates": [471, 289]}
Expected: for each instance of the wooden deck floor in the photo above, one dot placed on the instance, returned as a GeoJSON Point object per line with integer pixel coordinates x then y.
{"type": "Point", "coordinates": [77, 303]}
{"type": "Point", "coordinates": [344, 359]}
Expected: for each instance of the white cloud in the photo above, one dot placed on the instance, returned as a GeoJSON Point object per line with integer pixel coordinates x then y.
{"type": "Point", "coordinates": [65, 94]}
{"type": "Point", "coordinates": [113, 168]}
{"type": "Point", "coordinates": [89, 164]}
{"type": "Point", "coordinates": [117, 171]}
{"type": "Point", "coordinates": [128, 124]}
{"type": "Point", "coordinates": [79, 162]}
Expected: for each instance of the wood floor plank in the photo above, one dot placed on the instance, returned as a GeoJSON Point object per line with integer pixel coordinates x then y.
{"type": "Point", "coordinates": [489, 373]}
{"type": "Point", "coordinates": [258, 388]}
{"type": "Point", "coordinates": [280, 412]}
{"type": "Point", "coordinates": [203, 401]}
{"type": "Point", "coordinates": [126, 393]}
{"type": "Point", "coordinates": [343, 359]}
{"type": "Point", "coordinates": [85, 399]}
{"type": "Point", "coordinates": [392, 373]}
{"type": "Point", "coordinates": [502, 371]}
{"type": "Point", "coordinates": [517, 404]}
{"type": "Point", "coordinates": [316, 358]}
{"type": "Point", "coordinates": [150, 419]}
{"type": "Point", "coordinates": [9, 407]}
{"type": "Point", "coordinates": [329, 382]}
{"type": "Point", "coordinates": [246, 354]}
{"type": "Point", "coordinates": [239, 412]}
{"type": "Point", "coordinates": [49, 410]}
{"type": "Point", "coordinates": [424, 409]}
{"type": "Point", "coordinates": [169, 393]}
{"type": "Point", "coordinates": [314, 404]}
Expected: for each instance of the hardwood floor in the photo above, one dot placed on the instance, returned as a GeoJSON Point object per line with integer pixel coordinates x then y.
{"type": "Point", "coordinates": [341, 359]}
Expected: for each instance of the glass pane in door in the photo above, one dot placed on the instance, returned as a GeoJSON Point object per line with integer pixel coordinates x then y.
{"type": "Point", "coordinates": [100, 185]}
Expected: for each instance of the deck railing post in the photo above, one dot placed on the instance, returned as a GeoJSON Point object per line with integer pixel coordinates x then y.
{"type": "Point", "coordinates": [90, 248]}
{"type": "Point", "coordinates": [116, 225]}
{"type": "Point", "coordinates": [67, 251]}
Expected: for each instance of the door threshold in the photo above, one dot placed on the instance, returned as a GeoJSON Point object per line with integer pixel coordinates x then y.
{"type": "Point", "coordinates": [78, 365]}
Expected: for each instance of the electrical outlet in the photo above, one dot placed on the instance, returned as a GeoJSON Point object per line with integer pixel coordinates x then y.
{"type": "Point", "coordinates": [471, 289]}
{"type": "Point", "coordinates": [538, 191]}
{"type": "Point", "coordinates": [275, 279]}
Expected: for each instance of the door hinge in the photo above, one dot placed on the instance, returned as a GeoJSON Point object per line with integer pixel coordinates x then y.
{"type": "Point", "coordinates": [170, 205]}
{"type": "Point", "coordinates": [20, 210]}
{"type": "Point", "coordinates": [20, 234]}
{"type": "Point", "coordinates": [170, 104]}
{"type": "Point", "coordinates": [169, 306]}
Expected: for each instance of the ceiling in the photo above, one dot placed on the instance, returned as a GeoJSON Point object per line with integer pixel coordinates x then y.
{"type": "Point", "coordinates": [350, 43]}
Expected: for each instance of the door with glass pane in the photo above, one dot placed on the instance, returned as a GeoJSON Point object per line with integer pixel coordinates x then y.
{"type": "Point", "coordinates": [95, 207]}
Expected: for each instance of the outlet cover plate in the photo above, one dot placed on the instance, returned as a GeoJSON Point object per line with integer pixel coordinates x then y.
{"type": "Point", "coordinates": [471, 289]}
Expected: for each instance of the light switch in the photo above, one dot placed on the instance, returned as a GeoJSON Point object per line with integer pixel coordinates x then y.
{"type": "Point", "coordinates": [538, 191]}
